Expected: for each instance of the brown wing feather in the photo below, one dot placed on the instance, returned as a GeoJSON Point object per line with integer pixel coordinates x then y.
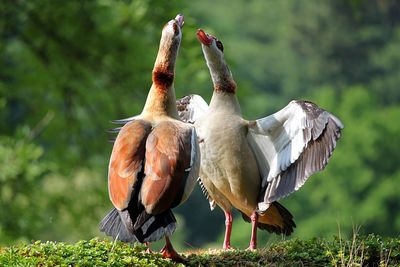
{"type": "Point", "coordinates": [168, 155]}
{"type": "Point", "coordinates": [126, 161]}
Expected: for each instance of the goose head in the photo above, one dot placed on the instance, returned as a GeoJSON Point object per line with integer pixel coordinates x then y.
{"type": "Point", "coordinates": [171, 36]}
{"type": "Point", "coordinates": [213, 51]}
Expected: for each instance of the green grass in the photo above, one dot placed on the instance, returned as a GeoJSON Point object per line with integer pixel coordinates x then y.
{"type": "Point", "coordinates": [360, 251]}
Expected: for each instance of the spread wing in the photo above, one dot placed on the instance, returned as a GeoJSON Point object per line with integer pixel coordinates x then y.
{"type": "Point", "coordinates": [191, 107]}
{"type": "Point", "coordinates": [171, 166]}
{"type": "Point", "coordinates": [126, 161]}
{"type": "Point", "coordinates": [290, 146]}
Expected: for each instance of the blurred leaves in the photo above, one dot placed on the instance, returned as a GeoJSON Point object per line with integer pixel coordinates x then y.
{"type": "Point", "coordinates": [22, 173]}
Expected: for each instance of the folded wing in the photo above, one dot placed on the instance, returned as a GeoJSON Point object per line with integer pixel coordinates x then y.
{"type": "Point", "coordinates": [171, 166]}
{"type": "Point", "coordinates": [290, 146]}
{"type": "Point", "coordinates": [126, 162]}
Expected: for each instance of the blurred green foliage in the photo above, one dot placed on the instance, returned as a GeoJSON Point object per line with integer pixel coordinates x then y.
{"type": "Point", "coordinates": [67, 69]}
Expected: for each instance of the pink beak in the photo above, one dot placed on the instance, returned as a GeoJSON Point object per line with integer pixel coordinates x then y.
{"type": "Point", "coordinates": [204, 38]}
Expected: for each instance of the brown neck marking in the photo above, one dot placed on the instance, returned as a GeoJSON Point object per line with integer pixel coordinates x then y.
{"type": "Point", "coordinates": [227, 86]}
{"type": "Point", "coordinates": [162, 77]}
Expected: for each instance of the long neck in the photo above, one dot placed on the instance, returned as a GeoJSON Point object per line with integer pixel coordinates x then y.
{"type": "Point", "coordinates": [166, 57]}
{"type": "Point", "coordinates": [224, 98]}
{"type": "Point", "coordinates": [221, 77]}
{"type": "Point", "coordinates": [161, 102]}
{"type": "Point", "coordinates": [224, 102]}
{"type": "Point", "coordinates": [161, 99]}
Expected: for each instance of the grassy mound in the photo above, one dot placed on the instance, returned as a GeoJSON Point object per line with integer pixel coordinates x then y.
{"type": "Point", "coordinates": [361, 251]}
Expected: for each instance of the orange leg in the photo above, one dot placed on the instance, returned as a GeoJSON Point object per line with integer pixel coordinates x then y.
{"type": "Point", "coordinates": [228, 230]}
{"type": "Point", "coordinates": [169, 252]}
{"type": "Point", "coordinates": [148, 250]}
{"type": "Point", "coordinates": [253, 240]}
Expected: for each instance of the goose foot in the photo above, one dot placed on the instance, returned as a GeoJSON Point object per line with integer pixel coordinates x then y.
{"type": "Point", "coordinates": [169, 252]}
{"type": "Point", "coordinates": [148, 250]}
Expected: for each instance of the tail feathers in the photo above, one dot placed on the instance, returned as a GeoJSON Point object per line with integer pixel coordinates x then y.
{"type": "Point", "coordinates": [147, 228]}
{"type": "Point", "coordinates": [112, 225]}
{"type": "Point", "coordinates": [150, 228]}
{"type": "Point", "coordinates": [288, 222]}
{"type": "Point", "coordinates": [287, 218]}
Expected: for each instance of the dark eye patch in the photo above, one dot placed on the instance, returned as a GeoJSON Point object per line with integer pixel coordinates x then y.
{"type": "Point", "coordinates": [220, 46]}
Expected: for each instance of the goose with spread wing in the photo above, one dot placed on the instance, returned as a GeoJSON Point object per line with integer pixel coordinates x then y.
{"type": "Point", "coordinates": [155, 158]}
{"type": "Point", "coordinates": [249, 165]}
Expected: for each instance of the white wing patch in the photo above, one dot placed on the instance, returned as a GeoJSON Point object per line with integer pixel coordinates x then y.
{"type": "Point", "coordinates": [291, 145]}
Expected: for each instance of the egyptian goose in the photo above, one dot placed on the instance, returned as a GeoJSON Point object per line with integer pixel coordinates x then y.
{"type": "Point", "coordinates": [249, 165]}
{"type": "Point", "coordinates": [155, 158]}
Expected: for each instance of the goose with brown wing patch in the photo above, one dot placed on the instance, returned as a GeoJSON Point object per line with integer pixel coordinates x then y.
{"type": "Point", "coordinates": [155, 159]}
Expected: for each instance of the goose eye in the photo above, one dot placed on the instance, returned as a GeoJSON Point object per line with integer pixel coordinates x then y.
{"type": "Point", "coordinates": [220, 46]}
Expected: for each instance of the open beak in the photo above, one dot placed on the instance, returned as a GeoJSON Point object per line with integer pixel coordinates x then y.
{"type": "Point", "coordinates": [204, 38]}
{"type": "Point", "coordinates": [180, 20]}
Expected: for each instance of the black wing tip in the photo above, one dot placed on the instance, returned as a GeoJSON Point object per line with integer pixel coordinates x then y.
{"type": "Point", "coordinates": [143, 231]}
{"type": "Point", "coordinates": [151, 228]}
{"type": "Point", "coordinates": [122, 121]}
{"type": "Point", "coordinates": [113, 226]}
{"type": "Point", "coordinates": [114, 130]}
{"type": "Point", "coordinates": [286, 228]}
{"type": "Point", "coordinates": [288, 222]}
{"type": "Point", "coordinates": [118, 122]}
{"type": "Point", "coordinates": [111, 136]}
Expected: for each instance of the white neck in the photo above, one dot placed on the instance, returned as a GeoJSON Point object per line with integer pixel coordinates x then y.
{"type": "Point", "coordinates": [225, 102]}
{"type": "Point", "coordinates": [219, 70]}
